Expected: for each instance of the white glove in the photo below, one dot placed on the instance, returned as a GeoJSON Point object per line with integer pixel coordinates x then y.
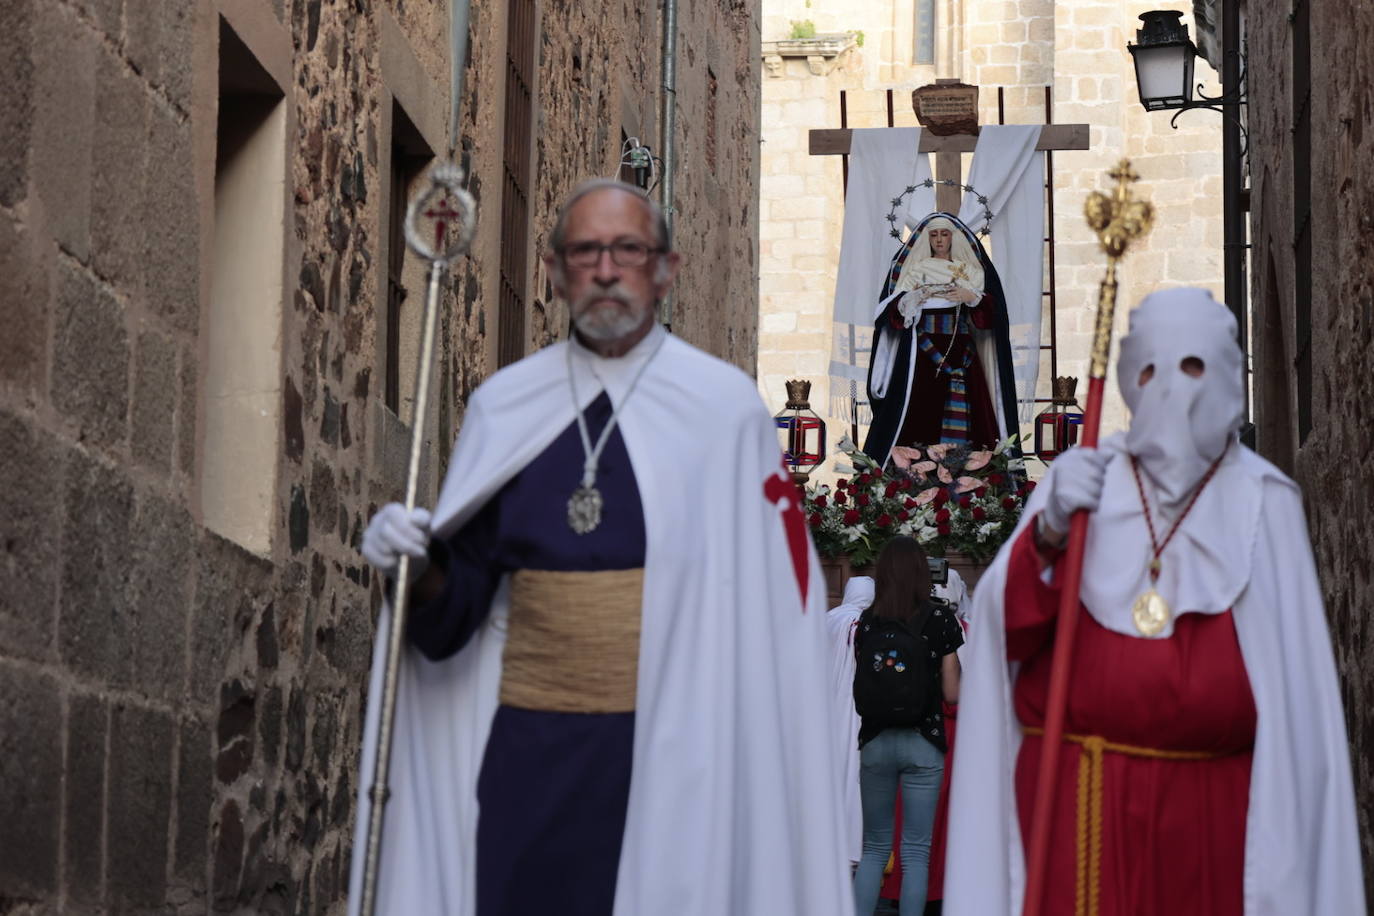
{"type": "Point", "coordinates": [393, 533]}
{"type": "Point", "coordinates": [1075, 483]}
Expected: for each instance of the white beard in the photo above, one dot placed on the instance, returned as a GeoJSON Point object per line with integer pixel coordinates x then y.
{"type": "Point", "coordinates": [607, 323]}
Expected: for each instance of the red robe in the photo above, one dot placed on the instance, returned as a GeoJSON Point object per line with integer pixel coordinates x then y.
{"type": "Point", "coordinates": [1172, 830]}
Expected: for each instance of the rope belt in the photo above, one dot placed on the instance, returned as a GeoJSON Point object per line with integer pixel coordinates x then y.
{"type": "Point", "coordinates": [1088, 821]}
{"type": "Point", "coordinates": [572, 643]}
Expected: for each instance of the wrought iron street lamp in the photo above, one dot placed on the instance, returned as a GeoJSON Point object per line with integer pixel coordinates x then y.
{"type": "Point", "coordinates": [1164, 57]}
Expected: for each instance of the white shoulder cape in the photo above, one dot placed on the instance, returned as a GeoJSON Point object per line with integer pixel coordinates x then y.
{"type": "Point", "coordinates": [734, 800]}
{"type": "Point", "coordinates": [1302, 850]}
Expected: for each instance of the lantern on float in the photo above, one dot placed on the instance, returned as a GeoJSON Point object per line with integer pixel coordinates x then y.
{"type": "Point", "coordinates": [1057, 426]}
{"type": "Point", "coordinates": [801, 432]}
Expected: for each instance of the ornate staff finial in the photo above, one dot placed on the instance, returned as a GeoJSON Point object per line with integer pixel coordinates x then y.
{"type": "Point", "coordinates": [1118, 218]}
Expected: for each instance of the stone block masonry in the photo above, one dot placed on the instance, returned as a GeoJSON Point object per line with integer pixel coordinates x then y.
{"type": "Point", "coordinates": [180, 714]}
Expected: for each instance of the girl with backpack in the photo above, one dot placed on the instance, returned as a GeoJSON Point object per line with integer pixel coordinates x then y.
{"type": "Point", "coordinates": [905, 663]}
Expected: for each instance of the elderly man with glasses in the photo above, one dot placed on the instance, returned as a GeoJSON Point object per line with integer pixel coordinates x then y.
{"type": "Point", "coordinates": [615, 699]}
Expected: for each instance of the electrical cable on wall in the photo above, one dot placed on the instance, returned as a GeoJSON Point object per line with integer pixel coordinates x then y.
{"type": "Point", "coordinates": [640, 159]}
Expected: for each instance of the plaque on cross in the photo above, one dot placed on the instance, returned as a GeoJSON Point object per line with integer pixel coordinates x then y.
{"type": "Point", "coordinates": [948, 148]}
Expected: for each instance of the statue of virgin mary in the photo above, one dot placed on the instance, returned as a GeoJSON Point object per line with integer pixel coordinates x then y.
{"type": "Point", "coordinates": [941, 366]}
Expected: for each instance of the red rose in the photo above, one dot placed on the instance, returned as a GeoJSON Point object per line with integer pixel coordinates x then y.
{"type": "Point", "coordinates": [891, 490]}
{"type": "Point", "coordinates": [863, 499]}
{"type": "Point", "coordinates": [979, 514]}
{"type": "Point", "coordinates": [941, 498]}
{"type": "Point", "coordinates": [841, 497]}
{"type": "Point", "coordinates": [942, 516]}
{"type": "Point", "coordinates": [841, 484]}
{"type": "Point", "coordinates": [942, 529]}
{"type": "Point", "coordinates": [820, 502]}
{"type": "Point", "coordinates": [851, 516]}
{"type": "Point", "coordinates": [904, 484]}
{"type": "Point", "coordinates": [884, 520]}
{"type": "Point", "coordinates": [864, 479]}
{"type": "Point", "coordinates": [996, 479]}
{"type": "Point", "coordinates": [909, 503]}
{"type": "Point", "coordinates": [1009, 502]}
{"type": "Point", "coordinates": [815, 519]}
{"type": "Point", "coordinates": [903, 515]}
{"type": "Point", "coordinates": [980, 492]}
{"type": "Point", "coordinates": [965, 500]}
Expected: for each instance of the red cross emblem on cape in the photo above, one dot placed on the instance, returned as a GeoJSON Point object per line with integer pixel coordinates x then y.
{"type": "Point", "coordinates": [780, 489]}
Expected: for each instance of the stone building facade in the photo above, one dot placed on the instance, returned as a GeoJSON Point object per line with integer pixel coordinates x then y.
{"type": "Point", "coordinates": [1312, 226]}
{"type": "Point", "coordinates": [1076, 47]}
{"type": "Point", "coordinates": [204, 381]}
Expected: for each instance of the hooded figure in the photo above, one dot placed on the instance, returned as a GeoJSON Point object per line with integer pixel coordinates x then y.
{"type": "Point", "coordinates": [941, 367]}
{"type": "Point", "coordinates": [1205, 767]}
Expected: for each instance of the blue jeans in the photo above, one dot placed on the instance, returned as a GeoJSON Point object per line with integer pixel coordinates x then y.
{"type": "Point", "coordinates": [897, 756]}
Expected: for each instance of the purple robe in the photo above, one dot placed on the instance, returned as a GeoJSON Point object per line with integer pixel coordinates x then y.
{"type": "Point", "coordinates": [554, 786]}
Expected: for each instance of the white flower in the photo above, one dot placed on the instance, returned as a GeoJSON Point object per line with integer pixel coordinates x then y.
{"type": "Point", "coordinates": [927, 534]}
{"type": "Point", "coordinates": [986, 530]}
{"type": "Point", "coordinates": [847, 445]}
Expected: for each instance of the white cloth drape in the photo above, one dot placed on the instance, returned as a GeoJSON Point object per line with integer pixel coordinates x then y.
{"type": "Point", "coordinates": [1009, 171]}
{"type": "Point", "coordinates": [883, 163]}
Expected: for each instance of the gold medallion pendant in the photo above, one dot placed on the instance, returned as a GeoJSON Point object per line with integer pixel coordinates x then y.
{"type": "Point", "coordinates": [1151, 613]}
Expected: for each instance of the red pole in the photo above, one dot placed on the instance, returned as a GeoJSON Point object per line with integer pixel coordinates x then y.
{"type": "Point", "coordinates": [1118, 220]}
{"type": "Point", "coordinates": [1057, 704]}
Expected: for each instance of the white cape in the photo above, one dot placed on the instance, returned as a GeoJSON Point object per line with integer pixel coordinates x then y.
{"type": "Point", "coordinates": [840, 621]}
{"type": "Point", "coordinates": [733, 807]}
{"type": "Point", "coordinates": [1302, 850]}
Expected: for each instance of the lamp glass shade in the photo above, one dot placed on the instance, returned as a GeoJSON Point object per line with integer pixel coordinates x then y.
{"type": "Point", "coordinates": [1164, 74]}
{"type": "Point", "coordinates": [1056, 430]}
{"type": "Point", "coordinates": [1058, 426]}
{"type": "Point", "coordinates": [801, 432]}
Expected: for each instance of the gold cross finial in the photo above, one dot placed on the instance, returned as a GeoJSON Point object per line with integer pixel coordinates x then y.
{"type": "Point", "coordinates": [1120, 218]}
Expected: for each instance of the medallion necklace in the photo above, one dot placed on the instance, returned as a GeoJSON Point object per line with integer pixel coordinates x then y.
{"type": "Point", "coordinates": [584, 506]}
{"type": "Point", "coordinates": [1151, 612]}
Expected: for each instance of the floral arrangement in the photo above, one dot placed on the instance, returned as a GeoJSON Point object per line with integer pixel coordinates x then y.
{"type": "Point", "coordinates": [949, 497]}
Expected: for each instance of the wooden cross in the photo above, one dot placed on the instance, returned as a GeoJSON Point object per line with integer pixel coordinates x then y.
{"type": "Point", "coordinates": [947, 150]}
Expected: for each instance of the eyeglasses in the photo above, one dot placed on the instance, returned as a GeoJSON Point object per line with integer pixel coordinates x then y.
{"type": "Point", "coordinates": [625, 253]}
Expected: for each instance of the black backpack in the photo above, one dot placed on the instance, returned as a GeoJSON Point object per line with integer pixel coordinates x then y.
{"type": "Point", "coordinates": [893, 685]}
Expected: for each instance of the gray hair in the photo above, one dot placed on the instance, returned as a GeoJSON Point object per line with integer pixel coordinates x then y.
{"type": "Point", "coordinates": [591, 186]}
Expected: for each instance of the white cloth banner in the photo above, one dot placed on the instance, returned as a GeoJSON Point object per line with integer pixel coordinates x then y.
{"type": "Point", "coordinates": [1009, 171]}
{"type": "Point", "coordinates": [883, 163]}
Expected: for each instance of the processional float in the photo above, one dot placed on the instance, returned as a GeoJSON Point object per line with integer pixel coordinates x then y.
{"type": "Point", "coordinates": [1118, 219]}
{"type": "Point", "coordinates": [440, 221]}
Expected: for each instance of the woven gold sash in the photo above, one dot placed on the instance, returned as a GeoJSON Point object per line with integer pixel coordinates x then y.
{"type": "Point", "coordinates": [1088, 820]}
{"type": "Point", "coordinates": [572, 644]}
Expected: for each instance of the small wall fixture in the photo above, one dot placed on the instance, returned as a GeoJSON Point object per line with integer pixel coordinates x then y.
{"type": "Point", "coordinates": [1164, 56]}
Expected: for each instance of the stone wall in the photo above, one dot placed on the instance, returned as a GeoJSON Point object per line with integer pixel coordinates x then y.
{"type": "Point", "coordinates": [180, 716]}
{"type": "Point", "coordinates": [1333, 463]}
{"type": "Point", "coordinates": [1076, 46]}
